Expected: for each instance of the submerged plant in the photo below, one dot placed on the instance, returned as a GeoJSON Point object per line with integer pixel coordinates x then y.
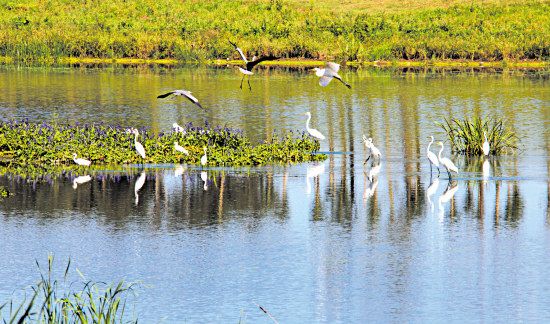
{"type": "Point", "coordinates": [55, 301]}
{"type": "Point", "coordinates": [467, 136]}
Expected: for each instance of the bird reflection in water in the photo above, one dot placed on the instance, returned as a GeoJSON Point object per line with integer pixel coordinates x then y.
{"type": "Point", "coordinates": [486, 170]}
{"type": "Point", "coordinates": [139, 183]}
{"type": "Point", "coordinates": [313, 171]}
{"type": "Point", "coordinates": [179, 170]}
{"type": "Point", "coordinates": [372, 176]}
{"type": "Point", "coordinates": [81, 180]}
{"type": "Point", "coordinates": [204, 177]}
{"type": "Point", "coordinates": [446, 197]}
{"type": "Point", "coordinates": [432, 189]}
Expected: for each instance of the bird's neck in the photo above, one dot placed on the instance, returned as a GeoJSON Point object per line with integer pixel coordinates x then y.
{"type": "Point", "coordinates": [430, 144]}
{"type": "Point", "coordinates": [307, 122]}
{"type": "Point", "coordinates": [441, 150]}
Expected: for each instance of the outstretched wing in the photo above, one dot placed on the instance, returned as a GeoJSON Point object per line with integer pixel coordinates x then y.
{"type": "Point", "coordinates": [252, 64]}
{"type": "Point", "coordinates": [324, 81]}
{"type": "Point", "coordinates": [165, 95]}
{"type": "Point", "coordinates": [192, 98]}
{"type": "Point", "coordinates": [335, 67]}
{"type": "Point", "coordinates": [240, 51]}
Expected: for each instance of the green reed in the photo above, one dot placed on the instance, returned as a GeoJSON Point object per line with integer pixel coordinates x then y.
{"type": "Point", "coordinates": [42, 31]}
{"type": "Point", "coordinates": [56, 301]}
{"type": "Point", "coordinates": [466, 136]}
{"type": "Point", "coordinates": [43, 146]}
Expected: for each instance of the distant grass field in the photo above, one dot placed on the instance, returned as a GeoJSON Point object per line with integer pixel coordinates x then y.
{"type": "Point", "coordinates": [189, 30]}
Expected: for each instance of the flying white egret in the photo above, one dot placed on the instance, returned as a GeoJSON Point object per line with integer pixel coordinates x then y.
{"type": "Point", "coordinates": [328, 73]}
{"type": "Point", "coordinates": [184, 93]}
{"type": "Point", "coordinates": [250, 64]}
{"type": "Point", "coordinates": [204, 178]}
{"type": "Point", "coordinates": [204, 158]}
{"type": "Point", "coordinates": [137, 186]}
{"type": "Point", "coordinates": [177, 128]}
{"type": "Point", "coordinates": [374, 151]}
{"type": "Point", "coordinates": [81, 161]}
{"type": "Point", "coordinates": [448, 164]}
{"type": "Point", "coordinates": [139, 147]}
{"type": "Point", "coordinates": [485, 146]}
{"type": "Point", "coordinates": [180, 148]}
{"type": "Point", "coordinates": [432, 189]}
{"type": "Point", "coordinates": [81, 180]}
{"type": "Point", "coordinates": [432, 157]}
{"type": "Point", "coordinates": [312, 131]}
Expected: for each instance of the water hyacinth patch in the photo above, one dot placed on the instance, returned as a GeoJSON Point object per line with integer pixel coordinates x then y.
{"type": "Point", "coordinates": [41, 145]}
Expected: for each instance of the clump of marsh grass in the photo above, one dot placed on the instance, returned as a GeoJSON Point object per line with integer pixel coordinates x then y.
{"type": "Point", "coordinates": [467, 136]}
{"type": "Point", "coordinates": [51, 302]}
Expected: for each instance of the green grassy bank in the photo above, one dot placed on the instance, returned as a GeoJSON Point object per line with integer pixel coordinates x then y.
{"type": "Point", "coordinates": [43, 31]}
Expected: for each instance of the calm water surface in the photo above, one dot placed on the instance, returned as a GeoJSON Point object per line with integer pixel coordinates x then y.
{"type": "Point", "coordinates": [330, 242]}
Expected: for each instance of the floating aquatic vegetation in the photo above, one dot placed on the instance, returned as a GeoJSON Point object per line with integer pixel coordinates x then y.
{"type": "Point", "coordinates": [57, 301]}
{"type": "Point", "coordinates": [466, 136]}
{"type": "Point", "coordinates": [42, 146]}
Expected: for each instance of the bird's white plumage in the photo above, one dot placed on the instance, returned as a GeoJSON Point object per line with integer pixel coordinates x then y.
{"type": "Point", "coordinates": [81, 161]}
{"type": "Point", "coordinates": [374, 151]}
{"type": "Point", "coordinates": [204, 158]}
{"type": "Point", "coordinates": [180, 148]}
{"type": "Point", "coordinates": [333, 67]}
{"type": "Point", "coordinates": [448, 164]}
{"type": "Point", "coordinates": [138, 145]}
{"type": "Point", "coordinates": [485, 146]}
{"type": "Point", "coordinates": [177, 128]}
{"type": "Point", "coordinates": [431, 156]}
{"type": "Point", "coordinates": [324, 81]}
{"type": "Point", "coordinates": [244, 71]}
{"type": "Point", "coordinates": [204, 178]}
{"type": "Point", "coordinates": [313, 132]}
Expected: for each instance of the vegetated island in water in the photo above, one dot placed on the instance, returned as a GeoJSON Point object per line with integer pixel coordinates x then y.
{"type": "Point", "coordinates": [34, 148]}
{"type": "Point", "coordinates": [459, 32]}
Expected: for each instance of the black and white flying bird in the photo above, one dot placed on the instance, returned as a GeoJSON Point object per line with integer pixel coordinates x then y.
{"type": "Point", "coordinates": [250, 64]}
{"type": "Point", "coordinates": [330, 71]}
{"type": "Point", "coordinates": [185, 93]}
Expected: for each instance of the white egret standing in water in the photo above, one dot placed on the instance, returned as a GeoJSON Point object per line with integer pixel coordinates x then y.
{"type": "Point", "coordinates": [448, 164]}
{"type": "Point", "coordinates": [374, 152]}
{"type": "Point", "coordinates": [137, 186]}
{"type": "Point", "coordinates": [81, 161]}
{"type": "Point", "coordinates": [312, 131]}
{"type": "Point", "coordinates": [81, 180]}
{"type": "Point", "coordinates": [180, 148]}
{"type": "Point", "coordinates": [139, 147]}
{"type": "Point", "coordinates": [183, 93]}
{"type": "Point", "coordinates": [431, 156]}
{"type": "Point", "coordinates": [328, 73]}
{"type": "Point", "coordinates": [249, 65]}
{"type": "Point", "coordinates": [204, 158]}
{"type": "Point", "coordinates": [485, 146]}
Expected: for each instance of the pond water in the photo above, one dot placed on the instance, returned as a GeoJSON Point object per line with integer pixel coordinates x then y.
{"type": "Point", "coordinates": [337, 241]}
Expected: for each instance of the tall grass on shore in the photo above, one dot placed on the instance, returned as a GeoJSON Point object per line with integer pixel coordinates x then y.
{"type": "Point", "coordinates": [198, 30]}
{"type": "Point", "coordinates": [56, 301]}
{"type": "Point", "coordinates": [467, 136]}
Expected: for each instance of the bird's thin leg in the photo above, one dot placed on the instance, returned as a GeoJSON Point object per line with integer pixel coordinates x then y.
{"type": "Point", "coordinates": [242, 82]}
{"type": "Point", "coordinates": [438, 171]}
{"type": "Point", "coordinates": [450, 176]}
{"type": "Point", "coordinates": [367, 160]}
{"type": "Point", "coordinates": [249, 87]}
{"type": "Point", "coordinates": [430, 170]}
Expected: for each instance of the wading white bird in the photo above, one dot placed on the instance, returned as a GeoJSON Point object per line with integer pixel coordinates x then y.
{"type": "Point", "coordinates": [177, 128]}
{"type": "Point", "coordinates": [485, 146]}
{"type": "Point", "coordinates": [185, 93]}
{"type": "Point", "coordinates": [312, 131]}
{"type": "Point", "coordinates": [204, 178]}
{"type": "Point", "coordinates": [431, 156]}
{"type": "Point", "coordinates": [448, 164]}
{"type": "Point", "coordinates": [374, 152]}
{"type": "Point", "coordinates": [81, 161]}
{"type": "Point", "coordinates": [137, 186]}
{"type": "Point", "coordinates": [204, 158]}
{"type": "Point", "coordinates": [328, 73]}
{"type": "Point", "coordinates": [81, 180]}
{"type": "Point", "coordinates": [139, 147]}
{"type": "Point", "coordinates": [180, 148]}
{"type": "Point", "coordinates": [250, 64]}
